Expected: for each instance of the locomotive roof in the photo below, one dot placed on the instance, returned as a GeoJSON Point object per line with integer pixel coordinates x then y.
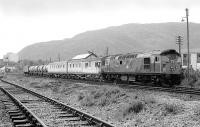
{"type": "Point", "coordinates": [144, 54]}
{"type": "Point", "coordinates": [133, 55]}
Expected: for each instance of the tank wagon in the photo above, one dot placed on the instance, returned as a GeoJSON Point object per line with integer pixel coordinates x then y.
{"type": "Point", "coordinates": [156, 66]}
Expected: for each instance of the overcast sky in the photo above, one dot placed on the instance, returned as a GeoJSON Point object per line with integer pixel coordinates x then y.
{"type": "Point", "coordinates": [24, 22]}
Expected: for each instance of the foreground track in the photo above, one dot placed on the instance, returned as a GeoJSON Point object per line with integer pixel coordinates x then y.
{"type": "Point", "coordinates": [52, 112]}
{"type": "Point", "coordinates": [19, 114]}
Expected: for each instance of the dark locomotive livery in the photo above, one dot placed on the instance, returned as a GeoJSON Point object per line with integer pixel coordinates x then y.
{"type": "Point", "coordinates": [158, 67]}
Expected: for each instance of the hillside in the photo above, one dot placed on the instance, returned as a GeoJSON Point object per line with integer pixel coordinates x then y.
{"type": "Point", "coordinates": [119, 39]}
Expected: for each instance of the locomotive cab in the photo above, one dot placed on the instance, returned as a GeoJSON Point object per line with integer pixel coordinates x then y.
{"type": "Point", "coordinates": [171, 62]}
{"type": "Point", "coordinates": [171, 66]}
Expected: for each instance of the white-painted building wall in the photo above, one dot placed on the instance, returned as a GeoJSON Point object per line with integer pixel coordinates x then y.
{"type": "Point", "coordinates": [11, 57]}
{"type": "Point", "coordinates": [195, 63]}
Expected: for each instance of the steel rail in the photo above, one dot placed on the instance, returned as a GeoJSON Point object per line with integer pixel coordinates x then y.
{"type": "Point", "coordinates": [84, 116]}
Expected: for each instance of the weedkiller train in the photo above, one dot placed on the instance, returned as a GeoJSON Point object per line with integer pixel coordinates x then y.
{"type": "Point", "coordinates": [158, 67]}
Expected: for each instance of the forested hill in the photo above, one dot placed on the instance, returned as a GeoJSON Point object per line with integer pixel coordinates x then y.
{"type": "Point", "coordinates": [119, 39]}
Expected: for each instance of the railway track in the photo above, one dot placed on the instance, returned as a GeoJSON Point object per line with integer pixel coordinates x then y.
{"type": "Point", "coordinates": [19, 114]}
{"type": "Point", "coordinates": [49, 111]}
{"type": "Point", "coordinates": [139, 85]}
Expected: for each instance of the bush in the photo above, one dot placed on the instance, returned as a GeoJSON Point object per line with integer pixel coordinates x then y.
{"type": "Point", "coordinates": [80, 96]}
{"type": "Point", "coordinates": [135, 107]}
{"type": "Point", "coordinates": [194, 76]}
{"type": "Point", "coordinates": [149, 99]}
{"type": "Point", "coordinates": [112, 92]}
{"type": "Point", "coordinates": [98, 94]}
{"type": "Point", "coordinates": [55, 89]}
{"type": "Point", "coordinates": [87, 101]}
{"type": "Point", "coordinates": [103, 102]}
{"type": "Point", "coordinates": [172, 109]}
{"type": "Point", "coordinates": [100, 97]}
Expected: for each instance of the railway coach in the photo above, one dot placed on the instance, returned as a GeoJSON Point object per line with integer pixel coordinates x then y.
{"type": "Point", "coordinates": [85, 66]}
{"type": "Point", "coordinates": [57, 69]}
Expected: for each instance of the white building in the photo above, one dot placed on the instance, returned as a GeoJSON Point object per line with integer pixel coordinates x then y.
{"type": "Point", "coordinates": [194, 59]}
{"type": "Point", "coordinates": [11, 57]}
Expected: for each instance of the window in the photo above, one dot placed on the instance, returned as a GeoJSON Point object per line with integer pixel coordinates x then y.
{"type": "Point", "coordinates": [146, 63]}
{"type": "Point", "coordinates": [146, 60]}
{"type": "Point", "coordinates": [156, 59]}
{"type": "Point", "coordinates": [97, 64]}
{"type": "Point", "coordinates": [198, 57]}
{"type": "Point", "coordinates": [86, 65]}
{"type": "Point", "coordinates": [70, 65]}
{"type": "Point", "coordinates": [103, 63]}
{"type": "Point", "coordinates": [73, 65]}
{"type": "Point", "coordinates": [89, 64]}
{"type": "Point", "coordinates": [120, 62]}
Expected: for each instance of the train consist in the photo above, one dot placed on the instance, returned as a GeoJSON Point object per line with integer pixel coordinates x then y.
{"type": "Point", "coordinates": [158, 67]}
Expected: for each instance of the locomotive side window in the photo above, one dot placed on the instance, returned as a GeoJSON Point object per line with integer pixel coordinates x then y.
{"type": "Point", "coordinates": [146, 60]}
{"type": "Point", "coordinates": [156, 59]}
{"type": "Point", "coordinates": [146, 63]}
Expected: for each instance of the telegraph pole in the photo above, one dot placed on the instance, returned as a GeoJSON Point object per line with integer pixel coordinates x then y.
{"type": "Point", "coordinates": [188, 46]}
{"type": "Point", "coordinates": [188, 43]}
{"type": "Point", "coordinates": [179, 40]}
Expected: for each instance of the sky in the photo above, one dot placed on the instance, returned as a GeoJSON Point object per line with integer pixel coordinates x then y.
{"type": "Point", "coordinates": [24, 22]}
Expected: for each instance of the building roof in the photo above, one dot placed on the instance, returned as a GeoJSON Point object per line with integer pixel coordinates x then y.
{"type": "Point", "coordinates": [81, 56]}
